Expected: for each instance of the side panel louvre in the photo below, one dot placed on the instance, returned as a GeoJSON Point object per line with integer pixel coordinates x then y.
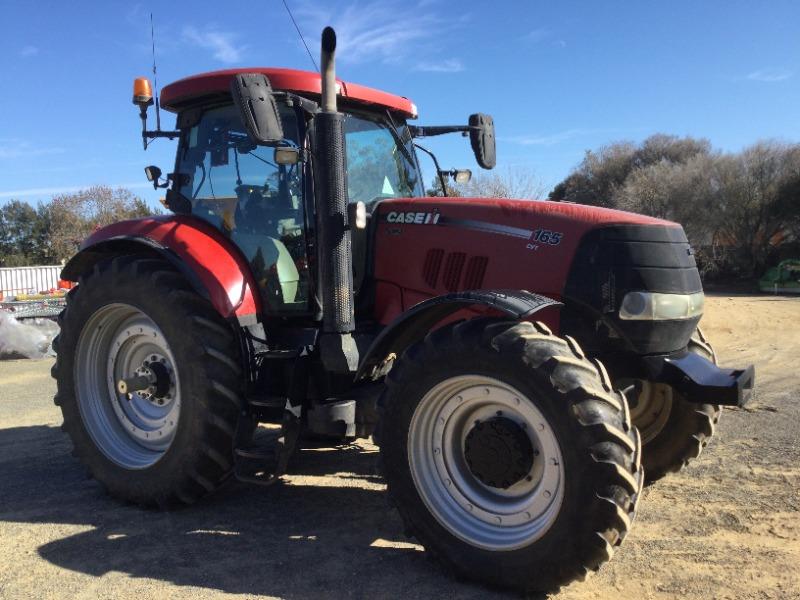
{"type": "Point", "coordinates": [432, 266]}
{"type": "Point", "coordinates": [453, 267]}
{"type": "Point", "coordinates": [476, 269]}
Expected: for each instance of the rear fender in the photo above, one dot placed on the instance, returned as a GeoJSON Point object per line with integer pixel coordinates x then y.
{"type": "Point", "coordinates": [211, 263]}
{"type": "Point", "coordinates": [416, 322]}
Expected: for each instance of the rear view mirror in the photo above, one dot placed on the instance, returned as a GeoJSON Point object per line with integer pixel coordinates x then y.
{"type": "Point", "coordinates": [252, 94]}
{"type": "Point", "coordinates": [481, 137]}
{"type": "Point", "coordinates": [287, 156]}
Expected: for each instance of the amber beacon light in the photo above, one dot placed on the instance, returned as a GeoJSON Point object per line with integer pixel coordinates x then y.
{"type": "Point", "coordinates": [142, 92]}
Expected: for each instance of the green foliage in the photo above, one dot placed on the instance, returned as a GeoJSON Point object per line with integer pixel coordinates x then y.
{"type": "Point", "coordinates": [602, 172]}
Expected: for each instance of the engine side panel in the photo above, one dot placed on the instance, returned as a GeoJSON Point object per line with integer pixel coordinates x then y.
{"type": "Point", "coordinates": [213, 259]}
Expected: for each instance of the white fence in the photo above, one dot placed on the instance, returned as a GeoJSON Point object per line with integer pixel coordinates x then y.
{"type": "Point", "coordinates": [28, 280]}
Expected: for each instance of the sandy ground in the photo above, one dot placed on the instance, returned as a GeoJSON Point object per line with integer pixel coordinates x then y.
{"type": "Point", "coordinates": [727, 527]}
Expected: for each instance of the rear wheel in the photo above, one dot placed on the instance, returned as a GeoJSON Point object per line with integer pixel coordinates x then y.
{"type": "Point", "coordinates": [148, 383]}
{"type": "Point", "coordinates": [674, 431]}
{"type": "Point", "coordinates": [508, 455]}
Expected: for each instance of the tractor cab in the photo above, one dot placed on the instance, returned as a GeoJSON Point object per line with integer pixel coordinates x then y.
{"type": "Point", "coordinates": [261, 197]}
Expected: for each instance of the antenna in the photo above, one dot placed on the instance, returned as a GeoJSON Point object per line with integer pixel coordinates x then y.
{"type": "Point", "coordinates": [313, 62]}
{"type": "Point", "coordinates": [155, 76]}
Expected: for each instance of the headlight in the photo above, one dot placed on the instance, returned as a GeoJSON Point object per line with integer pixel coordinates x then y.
{"type": "Point", "coordinates": [653, 306]}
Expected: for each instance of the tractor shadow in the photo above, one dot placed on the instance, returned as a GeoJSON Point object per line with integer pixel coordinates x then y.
{"type": "Point", "coordinates": [325, 533]}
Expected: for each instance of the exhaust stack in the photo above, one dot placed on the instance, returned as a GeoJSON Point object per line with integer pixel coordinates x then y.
{"type": "Point", "coordinates": [334, 251]}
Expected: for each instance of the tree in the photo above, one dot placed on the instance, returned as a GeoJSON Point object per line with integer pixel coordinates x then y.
{"type": "Point", "coordinates": [759, 201]}
{"type": "Point", "coordinates": [601, 174]}
{"type": "Point", "coordinates": [75, 216]}
{"type": "Point", "coordinates": [23, 230]}
{"type": "Point", "coordinates": [513, 182]}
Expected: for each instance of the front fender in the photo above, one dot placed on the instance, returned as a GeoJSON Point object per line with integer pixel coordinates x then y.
{"type": "Point", "coordinates": [211, 263]}
{"type": "Point", "coordinates": [416, 322]}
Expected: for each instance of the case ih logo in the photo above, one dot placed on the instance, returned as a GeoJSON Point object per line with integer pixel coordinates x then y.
{"type": "Point", "coordinates": [417, 218]}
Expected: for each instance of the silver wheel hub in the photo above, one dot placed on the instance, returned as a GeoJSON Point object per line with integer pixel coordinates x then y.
{"type": "Point", "coordinates": [503, 506]}
{"type": "Point", "coordinates": [120, 343]}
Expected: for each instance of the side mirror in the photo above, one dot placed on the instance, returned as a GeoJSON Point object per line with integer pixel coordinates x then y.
{"type": "Point", "coordinates": [481, 138]}
{"type": "Point", "coordinates": [252, 94]}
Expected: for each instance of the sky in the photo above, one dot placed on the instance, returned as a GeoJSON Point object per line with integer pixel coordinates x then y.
{"type": "Point", "coordinates": [559, 77]}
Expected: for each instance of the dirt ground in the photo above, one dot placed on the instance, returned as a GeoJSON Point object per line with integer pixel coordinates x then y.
{"type": "Point", "coordinates": [728, 527]}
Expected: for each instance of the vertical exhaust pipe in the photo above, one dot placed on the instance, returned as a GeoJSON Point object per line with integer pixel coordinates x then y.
{"type": "Point", "coordinates": [334, 250]}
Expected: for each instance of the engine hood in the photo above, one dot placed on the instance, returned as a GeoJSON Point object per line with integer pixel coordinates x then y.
{"type": "Point", "coordinates": [431, 246]}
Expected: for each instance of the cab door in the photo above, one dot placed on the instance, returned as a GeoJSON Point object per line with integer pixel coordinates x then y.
{"type": "Point", "coordinates": [238, 187]}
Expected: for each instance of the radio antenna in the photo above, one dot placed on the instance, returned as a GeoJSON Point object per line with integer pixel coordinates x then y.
{"type": "Point", "coordinates": [155, 75]}
{"type": "Point", "coordinates": [302, 39]}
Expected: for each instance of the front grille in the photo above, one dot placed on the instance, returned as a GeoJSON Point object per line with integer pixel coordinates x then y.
{"type": "Point", "coordinates": [612, 261]}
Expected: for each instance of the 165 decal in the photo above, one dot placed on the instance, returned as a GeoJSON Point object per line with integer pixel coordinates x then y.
{"type": "Point", "coordinates": [544, 236]}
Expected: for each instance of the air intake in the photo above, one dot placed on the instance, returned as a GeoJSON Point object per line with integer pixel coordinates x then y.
{"type": "Point", "coordinates": [453, 267]}
{"type": "Point", "coordinates": [432, 266]}
{"type": "Point", "coordinates": [476, 269]}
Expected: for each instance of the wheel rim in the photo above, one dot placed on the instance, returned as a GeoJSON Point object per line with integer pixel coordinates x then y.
{"type": "Point", "coordinates": [494, 518]}
{"type": "Point", "coordinates": [651, 410]}
{"type": "Point", "coordinates": [134, 430]}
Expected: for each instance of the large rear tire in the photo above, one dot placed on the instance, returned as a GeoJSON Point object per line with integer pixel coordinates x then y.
{"type": "Point", "coordinates": [172, 442]}
{"type": "Point", "coordinates": [508, 455]}
{"type": "Point", "coordinates": [674, 431]}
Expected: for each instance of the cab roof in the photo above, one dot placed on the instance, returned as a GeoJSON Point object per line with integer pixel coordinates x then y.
{"type": "Point", "coordinates": [208, 86]}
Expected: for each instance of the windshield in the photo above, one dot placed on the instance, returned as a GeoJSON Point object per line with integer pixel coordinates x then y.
{"type": "Point", "coordinates": [379, 165]}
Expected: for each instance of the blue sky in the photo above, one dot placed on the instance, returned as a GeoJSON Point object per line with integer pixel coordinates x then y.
{"type": "Point", "coordinates": [559, 77]}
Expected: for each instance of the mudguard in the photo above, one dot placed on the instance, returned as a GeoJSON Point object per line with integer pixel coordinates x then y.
{"type": "Point", "coordinates": [416, 322]}
{"type": "Point", "coordinates": [211, 263]}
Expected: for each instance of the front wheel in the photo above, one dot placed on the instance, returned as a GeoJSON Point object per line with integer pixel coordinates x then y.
{"type": "Point", "coordinates": [674, 430]}
{"type": "Point", "coordinates": [508, 455]}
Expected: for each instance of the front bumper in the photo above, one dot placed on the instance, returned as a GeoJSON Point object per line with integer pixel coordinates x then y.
{"type": "Point", "coordinates": [700, 381]}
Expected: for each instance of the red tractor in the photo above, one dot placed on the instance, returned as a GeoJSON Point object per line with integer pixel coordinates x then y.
{"type": "Point", "coordinates": [505, 355]}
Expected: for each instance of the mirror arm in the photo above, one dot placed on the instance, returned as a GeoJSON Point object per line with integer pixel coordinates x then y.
{"type": "Point", "coordinates": [428, 131]}
{"type": "Point", "coordinates": [151, 135]}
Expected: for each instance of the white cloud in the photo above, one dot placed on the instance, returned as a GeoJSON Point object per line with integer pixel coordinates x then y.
{"type": "Point", "coordinates": [450, 65]}
{"type": "Point", "coordinates": [551, 139]}
{"type": "Point", "coordinates": [221, 43]}
{"type": "Point", "coordinates": [374, 31]}
{"type": "Point", "coordinates": [28, 51]}
{"type": "Point", "coordinates": [537, 35]}
{"type": "Point", "coordinates": [559, 137]}
{"type": "Point", "coordinates": [16, 148]}
{"type": "Point", "coordinates": [770, 75]}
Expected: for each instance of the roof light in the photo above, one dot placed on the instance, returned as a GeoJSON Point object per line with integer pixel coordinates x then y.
{"type": "Point", "coordinates": [142, 91]}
